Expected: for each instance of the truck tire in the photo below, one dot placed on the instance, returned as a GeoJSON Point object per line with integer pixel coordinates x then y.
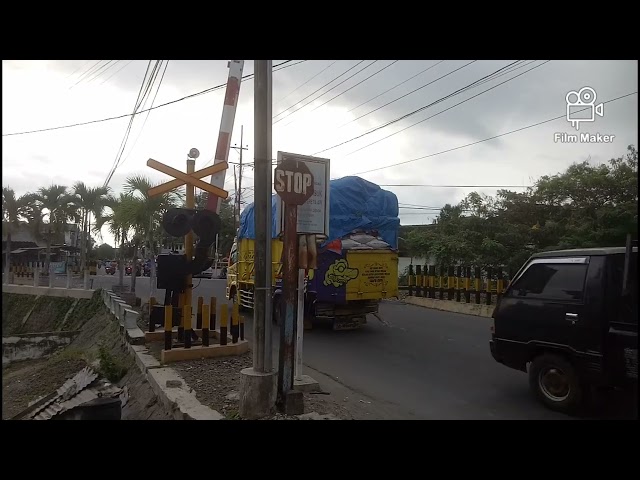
{"type": "Point", "coordinates": [555, 383]}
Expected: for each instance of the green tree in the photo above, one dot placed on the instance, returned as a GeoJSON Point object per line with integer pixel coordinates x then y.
{"type": "Point", "coordinates": [13, 210]}
{"type": "Point", "coordinates": [585, 206]}
{"type": "Point", "coordinates": [105, 252]}
{"type": "Point", "coordinates": [118, 220]}
{"type": "Point", "coordinates": [145, 216]}
{"type": "Point", "coordinates": [57, 206]}
{"type": "Point", "coordinates": [90, 201]}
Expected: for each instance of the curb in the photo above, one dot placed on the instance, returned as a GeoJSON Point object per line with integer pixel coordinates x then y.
{"type": "Point", "coordinates": [176, 396]}
{"type": "Point", "coordinates": [451, 306]}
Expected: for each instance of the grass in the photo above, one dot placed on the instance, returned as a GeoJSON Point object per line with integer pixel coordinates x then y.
{"type": "Point", "coordinates": [110, 367]}
{"type": "Point", "coordinates": [14, 307]}
{"type": "Point", "coordinates": [84, 310]}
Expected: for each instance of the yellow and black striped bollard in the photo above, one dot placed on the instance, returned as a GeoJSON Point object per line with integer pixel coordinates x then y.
{"type": "Point", "coordinates": [186, 316]}
{"type": "Point", "coordinates": [235, 325]}
{"type": "Point", "coordinates": [212, 313]}
{"type": "Point", "coordinates": [168, 327]}
{"type": "Point", "coordinates": [224, 317]}
{"type": "Point", "coordinates": [206, 319]}
{"type": "Point", "coordinates": [199, 313]}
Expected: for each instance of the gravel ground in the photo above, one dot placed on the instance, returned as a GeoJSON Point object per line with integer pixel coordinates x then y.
{"type": "Point", "coordinates": [216, 382]}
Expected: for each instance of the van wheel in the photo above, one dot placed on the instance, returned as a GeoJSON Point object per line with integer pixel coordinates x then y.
{"type": "Point", "coordinates": [555, 383]}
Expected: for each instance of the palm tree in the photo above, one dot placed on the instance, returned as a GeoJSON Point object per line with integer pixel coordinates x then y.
{"type": "Point", "coordinates": [119, 225]}
{"type": "Point", "coordinates": [60, 209]}
{"type": "Point", "coordinates": [13, 209]}
{"type": "Point", "coordinates": [145, 214]}
{"type": "Point", "coordinates": [90, 201]}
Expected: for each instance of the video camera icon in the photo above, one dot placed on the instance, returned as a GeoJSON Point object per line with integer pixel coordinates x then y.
{"type": "Point", "coordinates": [581, 106]}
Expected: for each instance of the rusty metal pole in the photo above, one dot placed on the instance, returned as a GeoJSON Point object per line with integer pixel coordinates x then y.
{"type": "Point", "coordinates": [290, 281]}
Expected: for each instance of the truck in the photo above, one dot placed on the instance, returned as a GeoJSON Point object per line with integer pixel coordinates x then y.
{"type": "Point", "coordinates": [357, 262]}
{"type": "Point", "coordinates": [570, 318]}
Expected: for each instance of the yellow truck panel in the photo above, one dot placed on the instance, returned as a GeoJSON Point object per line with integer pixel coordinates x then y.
{"type": "Point", "coordinates": [377, 274]}
{"type": "Point", "coordinates": [246, 265]}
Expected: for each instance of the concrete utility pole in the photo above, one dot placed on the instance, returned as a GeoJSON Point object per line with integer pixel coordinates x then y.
{"type": "Point", "coordinates": [258, 384]}
{"type": "Point", "coordinates": [238, 205]}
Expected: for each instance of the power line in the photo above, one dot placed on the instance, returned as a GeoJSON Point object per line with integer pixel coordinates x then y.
{"type": "Point", "coordinates": [564, 115]}
{"type": "Point", "coordinates": [411, 92]}
{"type": "Point", "coordinates": [97, 74]}
{"type": "Point", "coordinates": [350, 88]}
{"type": "Point", "coordinates": [94, 73]}
{"type": "Point", "coordinates": [217, 87]}
{"type": "Point", "coordinates": [394, 87]}
{"type": "Point", "coordinates": [415, 111]}
{"type": "Point", "coordinates": [166, 65]}
{"type": "Point", "coordinates": [300, 86]}
{"type": "Point", "coordinates": [83, 75]}
{"type": "Point", "coordinates": [446, 109]}
{"type": "Point", "coordinates": [315, 91]}
{"type": "Point", "coordinates": [117, 71]}
{"type": "Point", "coordinates": [78, 69]}
{"type": "Point", "coordinates": [139, 100]}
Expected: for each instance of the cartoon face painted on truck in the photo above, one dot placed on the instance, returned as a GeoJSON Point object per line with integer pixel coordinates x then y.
{"type": "Point", "coordinates": [339, 273]}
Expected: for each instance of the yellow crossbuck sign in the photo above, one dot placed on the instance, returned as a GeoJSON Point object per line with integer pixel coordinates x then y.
{"type": "Point", "coordinates": [187, 178]}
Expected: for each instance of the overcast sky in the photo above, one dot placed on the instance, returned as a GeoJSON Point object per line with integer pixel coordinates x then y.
{"type": "Point", "coordinates": [43, 94]}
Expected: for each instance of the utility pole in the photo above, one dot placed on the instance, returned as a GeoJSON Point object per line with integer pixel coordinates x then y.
{"type": "Point", "coordinates": [236, 217]}
{"type": "Point", "coordinates": [257, 392]}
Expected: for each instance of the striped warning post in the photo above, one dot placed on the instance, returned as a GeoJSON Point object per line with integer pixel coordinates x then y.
{"type": "Point", "coordinates": [226, 128]}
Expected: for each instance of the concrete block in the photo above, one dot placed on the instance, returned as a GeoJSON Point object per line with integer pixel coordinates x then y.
{"type": "Point", "coordinates": [257, 393]}
{"type": "Point", "coordinates": [181, 401]}
{"type": "Point", "coordinates": [122, 306]}
{"type": "Point", "coordinates": [451, 306]}
{"type": "Point", "coordinates": [194, 353]}
{"type": "Point", "coordinates": [135, 336]}
{"type": "Point", "coordinates": [306, 384]}
{"type": "Point", "coordinates": [131, 318]}
{"type": "Point", "coordinates": [294, 403]}
{"type": "Point", "coordinates": [143, 358]}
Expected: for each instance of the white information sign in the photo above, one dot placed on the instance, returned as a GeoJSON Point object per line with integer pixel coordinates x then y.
{"type": "Point", "coordinates": [313, 215]}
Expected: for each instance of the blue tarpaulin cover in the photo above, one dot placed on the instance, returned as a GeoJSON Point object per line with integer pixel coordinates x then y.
{"type": "Point", "coordinates": [355, 204]}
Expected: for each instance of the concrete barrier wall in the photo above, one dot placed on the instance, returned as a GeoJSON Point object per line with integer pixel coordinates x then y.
{"type": "Point", "coordinates": [32, 346]}
{"type": "Point", "coordinates": [451, 306]}
{"type": "Point", "coordinates": [50, 292]}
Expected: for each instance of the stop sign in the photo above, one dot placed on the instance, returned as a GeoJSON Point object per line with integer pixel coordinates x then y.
{"type": "Point", "coordinates": [293, 181]}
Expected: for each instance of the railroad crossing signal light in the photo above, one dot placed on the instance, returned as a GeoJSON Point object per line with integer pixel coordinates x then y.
{"type": "Point", "coordinates": [178, 222]}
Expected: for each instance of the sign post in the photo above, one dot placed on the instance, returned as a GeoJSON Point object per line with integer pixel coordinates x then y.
{"type": "Point", "coordinates": [294, 184]}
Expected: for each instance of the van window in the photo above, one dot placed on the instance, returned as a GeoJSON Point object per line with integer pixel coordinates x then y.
{"type": "Point", "coordinates": [552, 281]}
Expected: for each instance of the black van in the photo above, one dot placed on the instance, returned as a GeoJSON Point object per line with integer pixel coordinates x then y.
{"type": "Point", "coordinates": [571, 316]}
